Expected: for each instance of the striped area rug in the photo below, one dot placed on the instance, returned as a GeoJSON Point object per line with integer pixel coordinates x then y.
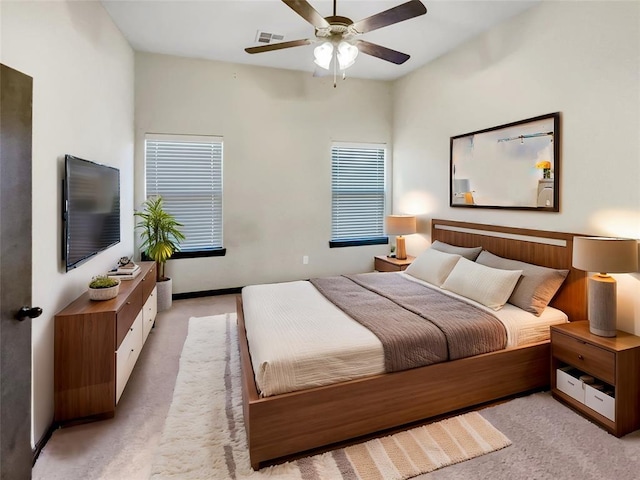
{"type": "Point", "coordinates": [204, 438]}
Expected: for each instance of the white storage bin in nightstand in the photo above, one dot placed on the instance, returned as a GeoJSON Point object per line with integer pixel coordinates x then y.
{"type": "Point", "coordinates": [570, 385]}
{"type": "Point", "coordinates": [600, 402]}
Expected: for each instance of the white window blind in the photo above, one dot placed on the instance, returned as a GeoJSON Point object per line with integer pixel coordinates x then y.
{"type": "Point", "coordinates": [186, 171]}
{"type": "Point", "coordinates": [358, 184]}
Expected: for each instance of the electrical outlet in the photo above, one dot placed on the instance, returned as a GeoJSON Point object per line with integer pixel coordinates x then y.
{"type": "Point", "coordinates": [305, 259]}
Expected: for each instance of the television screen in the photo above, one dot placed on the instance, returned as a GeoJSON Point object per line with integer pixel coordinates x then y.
{"type": "Point", "coordinates": [91, 209]}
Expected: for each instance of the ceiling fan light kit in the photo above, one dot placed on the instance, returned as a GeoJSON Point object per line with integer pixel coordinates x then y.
{"type": "Point", "coordinates": [345, 54]}
{"type": "Point", "coordinates": [338, 35]}
{"type": "Point", "coordinates": [323, 55]}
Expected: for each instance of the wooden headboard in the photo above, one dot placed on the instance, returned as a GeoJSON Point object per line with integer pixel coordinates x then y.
{"type": "Point", "coordinates": [549, 249]}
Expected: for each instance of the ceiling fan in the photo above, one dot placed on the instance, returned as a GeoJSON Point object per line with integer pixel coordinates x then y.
{"type": "Point", "coordinates": [338, 36]}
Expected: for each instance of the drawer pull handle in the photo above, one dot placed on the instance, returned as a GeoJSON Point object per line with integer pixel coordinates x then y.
{"type": "Point", "coordinates": [572, 384]}
{"type": "Point", "coordinates": [598, 398]}
{"type": "Point", "coordinates": [131, 329]}
{"type": "Point", "coordinates": [580, 357]}
{"type": "Point", "coordinates": [128, 303]}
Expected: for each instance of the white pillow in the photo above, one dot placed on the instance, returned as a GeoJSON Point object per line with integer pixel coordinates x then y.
{"type": "Point", "coordinates": [491, 287]}
{"type": "Point", "coordinates": [433, 266]}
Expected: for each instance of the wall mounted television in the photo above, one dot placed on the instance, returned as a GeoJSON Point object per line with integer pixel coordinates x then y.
{"type": "Point", "coordinates": [90, 209]}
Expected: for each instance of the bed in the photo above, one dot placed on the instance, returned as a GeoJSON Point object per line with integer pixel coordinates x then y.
{"type": "Point", "coordinates": [283, 424]}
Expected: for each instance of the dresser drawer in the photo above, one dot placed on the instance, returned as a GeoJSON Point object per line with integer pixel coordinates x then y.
{"type": "Point", "coordinates": [149, 312]}
{"type": "Point", "coordinates": [127, 314]}
{"type": "Point", "coordinates": [127, 355]}
{"type": "Point", "coordinates": [593, 360]}
{"type": "Point", "coordinates": [148, 282]}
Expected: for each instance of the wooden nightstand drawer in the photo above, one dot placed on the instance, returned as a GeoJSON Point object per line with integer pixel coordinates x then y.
{"type": "Point", "coordinates": [388, 264]}
{"type": "Point", "coordinates": [591, 359]}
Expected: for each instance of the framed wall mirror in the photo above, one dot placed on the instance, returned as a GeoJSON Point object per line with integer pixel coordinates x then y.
{"type": "Point", "coordinates": [512, 166]}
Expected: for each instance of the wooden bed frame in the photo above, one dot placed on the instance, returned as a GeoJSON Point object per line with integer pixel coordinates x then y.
{"type": "Point", "coordinates": [295, 422]}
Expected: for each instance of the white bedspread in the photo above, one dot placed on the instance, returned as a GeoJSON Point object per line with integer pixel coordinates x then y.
{"type": "Point", "coordinates": [298, 339]}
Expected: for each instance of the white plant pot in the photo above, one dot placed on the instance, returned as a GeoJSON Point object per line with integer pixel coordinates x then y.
{"type": "Point", "coordinates": [165, 291]}
{"type": "Point", "coordinates": [104, 293]}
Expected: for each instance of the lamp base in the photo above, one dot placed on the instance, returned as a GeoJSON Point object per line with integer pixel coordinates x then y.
{"type": "Point", "coordinates": [401, 250]}
{"type": "Point", "coordinates": [468, 198]}
{"type": "Point", "coordinates": [602, 306]}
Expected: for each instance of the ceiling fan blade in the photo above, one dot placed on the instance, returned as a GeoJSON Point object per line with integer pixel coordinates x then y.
{"type": "Point", "coordinates": [278, 46]}
{"type": "Point", "coordinates": [306, 11]}
{"type": "Point", "coordinates": [411, 9]}
{"type": "Point", "coordinates": [384, 53]}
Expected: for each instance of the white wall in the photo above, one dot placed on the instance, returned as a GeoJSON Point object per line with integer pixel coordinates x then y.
{"type": "Point", "coordinates": [278, 127]}
{"type": "Point", "coordinates": [579, 58]}
{"type": "Point", "coordinates": [82, 71]}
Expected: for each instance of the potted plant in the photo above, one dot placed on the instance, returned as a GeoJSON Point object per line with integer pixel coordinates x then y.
{"type": "Point", "coordinates": [161, 237]}
{"type": "Point", "coordinates": [102, 287]}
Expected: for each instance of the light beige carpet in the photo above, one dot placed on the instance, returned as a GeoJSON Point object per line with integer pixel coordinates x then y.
{"type": "Point", "coordinates": [204, 438]}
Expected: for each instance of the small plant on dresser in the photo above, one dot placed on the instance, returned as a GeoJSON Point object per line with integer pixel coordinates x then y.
{"type": "Point", "coordinates": [102, 287]}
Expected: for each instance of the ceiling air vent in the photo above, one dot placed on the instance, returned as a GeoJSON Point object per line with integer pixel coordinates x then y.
{"type": "Point", "coordinates": [265, 37]}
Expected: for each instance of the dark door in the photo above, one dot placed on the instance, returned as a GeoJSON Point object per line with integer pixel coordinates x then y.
{"type": "Point", "coordinates": [16, 456]}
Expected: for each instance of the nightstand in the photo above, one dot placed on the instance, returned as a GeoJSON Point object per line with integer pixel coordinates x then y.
{"type": "Point", "coordinates": [612, 398]}
{"type": "Point", "coordinates": [388, 264]}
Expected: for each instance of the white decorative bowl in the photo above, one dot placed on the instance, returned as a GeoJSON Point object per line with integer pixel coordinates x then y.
{"type": "Point", "coordinates": [104, 293]}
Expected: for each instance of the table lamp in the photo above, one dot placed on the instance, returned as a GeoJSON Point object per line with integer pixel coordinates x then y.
{"type": "Point", "coordinates": [401, 225]}
{"type": "Point", "coordinates": [604, 255]}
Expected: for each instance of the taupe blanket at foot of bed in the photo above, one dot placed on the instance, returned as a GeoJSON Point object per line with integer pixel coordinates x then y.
{"type": "Point", "coordinates": [416, 325]}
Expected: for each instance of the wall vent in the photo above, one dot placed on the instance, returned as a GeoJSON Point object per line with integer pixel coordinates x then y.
{"type": "Point", "coordinates": [266, 37]}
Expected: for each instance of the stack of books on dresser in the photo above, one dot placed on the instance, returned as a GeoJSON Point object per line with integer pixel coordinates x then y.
{"type": "Point", "coordinates": [125, 272]}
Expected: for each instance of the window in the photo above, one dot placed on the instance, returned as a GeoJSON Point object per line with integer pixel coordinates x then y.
{"type": "Point", "coordinates": [358, 187]}
{"type": "Point", "coordinates": [186, 171]}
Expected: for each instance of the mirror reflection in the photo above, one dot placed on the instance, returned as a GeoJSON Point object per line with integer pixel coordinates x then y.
{"type": "Point", "coordinates": [510, 166]}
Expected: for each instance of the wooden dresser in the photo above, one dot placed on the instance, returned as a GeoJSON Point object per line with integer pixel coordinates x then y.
{"type": "Point", "coordinates": [96, 346]}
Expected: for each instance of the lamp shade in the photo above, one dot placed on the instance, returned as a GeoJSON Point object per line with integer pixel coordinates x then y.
{"type": "Point", "coordinates": [347, 54]}
{"type": "Point", "coordinates": [323, 55]}
{"type": "Point", "coordinates": [400, 224]}
{"type": "Point", "coordinates": [605, 255]}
